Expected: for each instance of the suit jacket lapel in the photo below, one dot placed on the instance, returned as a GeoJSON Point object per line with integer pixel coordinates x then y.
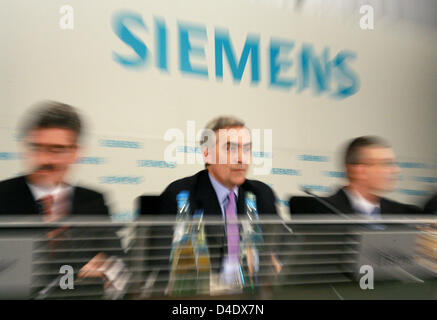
{"type": "Point", "coordinates": [385, 206]}
{"type": "Point", "coordinates": [75, 201]}
{"type": "Point", "coordinates": [240, 200]}
{"type": "Point", "coordinates": [341, 202]}
{"type": "Point", "coordinates": [205, 196]}
{"type": "Point", "coordinates": [29, 204]}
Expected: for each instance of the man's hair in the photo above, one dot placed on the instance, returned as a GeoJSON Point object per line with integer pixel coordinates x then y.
{"type": "Point", "coordinates": [52, 114]}
{"type": "Point", "coordinates": [218, 123]}
{"type": "Point", "coordinates": [353, 149]}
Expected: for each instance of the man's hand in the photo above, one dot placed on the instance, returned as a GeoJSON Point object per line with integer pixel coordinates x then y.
{"type": "Point", "coordinates": [250, 260]}
{"type": "Point", "coordinates": [91, 269]}
{"type": "Point", "coordinates": [276, 264]}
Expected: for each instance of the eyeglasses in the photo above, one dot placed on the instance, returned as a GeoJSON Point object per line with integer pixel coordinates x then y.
{"type": "Point", "coordinates": [56, 149]}
{"type": "Point", "coordinates": [233, 147]}
{"type": "Point", "coordinates": [384, 163]}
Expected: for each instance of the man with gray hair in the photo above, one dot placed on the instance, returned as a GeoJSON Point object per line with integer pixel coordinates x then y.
{"type": "Point", "coordinates": [222, 190]}
{"type": "Point", "coordinates": [227, 151]}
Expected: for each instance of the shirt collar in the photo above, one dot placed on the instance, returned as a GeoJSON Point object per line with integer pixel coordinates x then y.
{"type": "Point", "coordinates": [39, 192]}
{"type": "Point", "coordinates": [220, 190]}
{"type": "Point", "coordinates": [359, 202]}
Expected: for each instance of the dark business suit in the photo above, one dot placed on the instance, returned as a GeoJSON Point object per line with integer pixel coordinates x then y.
{"type": "Point", "coordinates": [203, 196]}
{"type": "Point", "coordinates": [431, 205]}
{"type": "Point", "coordinates": [16, 198]}
{"type": "Point", "coordinates": [341, 201]}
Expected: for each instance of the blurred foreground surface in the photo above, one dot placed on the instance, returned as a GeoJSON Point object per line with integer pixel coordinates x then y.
{"type": "Point", "coordinates": [321, 258]}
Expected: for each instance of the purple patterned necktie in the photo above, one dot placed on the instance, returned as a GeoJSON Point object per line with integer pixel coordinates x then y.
{"type": "Point", "coordinates": [232, 231]}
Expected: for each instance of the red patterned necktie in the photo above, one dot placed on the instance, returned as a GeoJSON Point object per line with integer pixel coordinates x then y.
{"type": "Point", "coordinates": [49, 215]}
{"type": "Point", "coordinates": [47, 207]}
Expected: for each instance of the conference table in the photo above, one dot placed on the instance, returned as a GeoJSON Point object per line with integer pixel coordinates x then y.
{"type": "Point", "coordinates": [323, 256]}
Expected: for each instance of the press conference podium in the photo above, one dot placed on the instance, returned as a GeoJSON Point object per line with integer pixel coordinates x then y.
{"type": "Point", "coordinates": [321, 256]}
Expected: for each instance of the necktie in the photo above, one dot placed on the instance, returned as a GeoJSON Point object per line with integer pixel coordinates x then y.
{"type": "Point", "coordinates": [47, 207]}
{"type": "Point", "coordinates": [232, 230]}
{"type": "Point", "coordinates": [49, 215]}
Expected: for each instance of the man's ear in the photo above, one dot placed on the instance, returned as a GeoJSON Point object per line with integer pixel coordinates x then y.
{"type": "Point", "coordinates": [355, 171]}
{"type": "Point", "coordinates": [76, 153]}
{"type": "Point", "coordinates": [351, 171]}
{"type": "Point", "coordinates": [206, 155]}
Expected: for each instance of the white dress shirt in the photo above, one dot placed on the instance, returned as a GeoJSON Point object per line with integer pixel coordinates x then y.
{"type": "Point", "coordinates": [222, 194]}
{"type": "Point", "coordinates": [62, 195]}
{"type": "Point", "coordinates": [361, 204]}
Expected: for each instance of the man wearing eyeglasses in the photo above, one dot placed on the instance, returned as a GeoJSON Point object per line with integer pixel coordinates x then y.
{"type": "Point", "coordinates": [227, 151]}
{"type": "Point", "coordinates": [50, 138]}
{"type": "Point", "coordinates": [220, 190]}
{"type": "Point", "coordinates": [371, 171]}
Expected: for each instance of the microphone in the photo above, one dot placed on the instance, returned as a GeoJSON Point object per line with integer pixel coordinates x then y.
{"type": "Point", "coordinates": [323, 202]}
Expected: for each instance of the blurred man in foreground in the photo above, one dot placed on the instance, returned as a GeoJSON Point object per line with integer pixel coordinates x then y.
{"type": "Point", "coordinates": [51, 135]}
{"type": "Point", "coordinates": [371, 171]}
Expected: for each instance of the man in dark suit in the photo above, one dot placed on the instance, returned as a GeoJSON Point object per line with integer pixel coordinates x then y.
{"type": "Point", "coordinates": [221, 188]}
{"type": "Point", "coordinates": [227, 162]}
{"type": "Point", "coordinates": [50, 136]}
{"type": "Point", "coordinates": [16, 197]}
{"type": "Point", "coordinates": [371, 171]}
{"type": "Point", "coordinates": [203, 196]}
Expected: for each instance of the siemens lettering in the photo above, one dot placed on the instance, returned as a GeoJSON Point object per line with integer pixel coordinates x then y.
{"type": "Point", "coordinates": [321, 72]}
{"type": "Point", "coordinates": [120, 144]}
{"type": "Point", "coordinates": [120, 180]}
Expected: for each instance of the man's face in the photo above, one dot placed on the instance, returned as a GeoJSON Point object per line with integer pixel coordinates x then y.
{"type": "Point", "coordinates": [48, 154]}
{"type": "Point", "coordinates": [378, 170]}
{"type": "Point", "coordinates": [230, 159]}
